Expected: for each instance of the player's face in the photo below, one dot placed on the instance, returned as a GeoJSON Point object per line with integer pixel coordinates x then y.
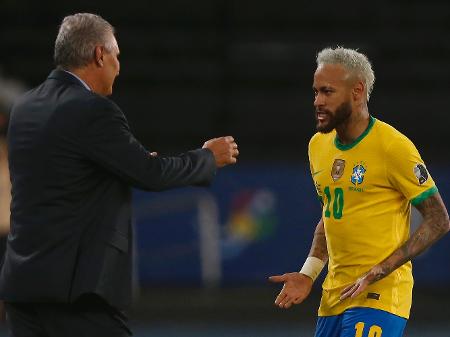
{"type": "Point", "coordinates": [111, 68]}
{"type": "Point", "coordinates": [332, 97]}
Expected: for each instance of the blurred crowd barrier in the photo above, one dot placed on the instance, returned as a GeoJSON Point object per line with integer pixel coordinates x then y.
{"type": "Point", "coordinates": [255, 221]}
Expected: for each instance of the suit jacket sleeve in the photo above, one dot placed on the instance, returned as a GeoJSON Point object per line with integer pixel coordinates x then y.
{"type": "Point", "coordinates": [107, 140]}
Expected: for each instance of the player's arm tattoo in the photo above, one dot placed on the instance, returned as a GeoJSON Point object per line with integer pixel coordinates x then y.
{"type": "Point", "coordinates": [435, 224]}
{"type": "Point", "coordinates": [319, 243]}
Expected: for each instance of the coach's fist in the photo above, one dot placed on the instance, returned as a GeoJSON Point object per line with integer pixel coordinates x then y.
{"type": "Point", "coordinates": [224, 149]}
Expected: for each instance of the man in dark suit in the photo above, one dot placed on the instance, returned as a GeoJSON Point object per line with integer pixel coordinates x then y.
{"type": "Point", "coordinates": [73, 160]}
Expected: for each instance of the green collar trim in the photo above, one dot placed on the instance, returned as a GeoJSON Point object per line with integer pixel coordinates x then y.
{"type": "Point", "coordinates": [345, 147]}
{"type": "Point", "coordinates": [424, 195]}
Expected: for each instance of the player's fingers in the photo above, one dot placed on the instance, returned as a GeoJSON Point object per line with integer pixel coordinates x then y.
{"type": "Point", "coordinates": [285, 303]}
{"type": "Point", "coordinates": [280, 298]}
{"type": "Point", "coordinates": [349, 292]}
{"type": "Point", "coordinates": [288, 304]}
{"type": "Point", "coordinates": [347, 288]}
{"type": "Point", "coordinates": [344, 296]}
{"type": "Point", "coordinates": [229, 139]}
{"type": "Point", "coordinates": [277, 278]}
{"type": "Point", "coordinates": [358, 291]}
{"type": "Point", "coordinates": [355, 293]}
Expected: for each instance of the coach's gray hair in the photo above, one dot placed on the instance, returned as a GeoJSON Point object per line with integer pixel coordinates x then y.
{"type": "Point", "coordinates": [352, 60]}
{"type": "Point", "coordinates": [77, 38]}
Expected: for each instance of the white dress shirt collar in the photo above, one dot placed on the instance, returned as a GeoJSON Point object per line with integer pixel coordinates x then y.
{"type": "Point", "coordinates": [79, 79]}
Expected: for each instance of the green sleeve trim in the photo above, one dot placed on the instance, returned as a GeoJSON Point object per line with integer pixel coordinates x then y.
{"type": "Point", "coordinates": [424, 195]}
{"type": "Point", "coordinates": [345, 147]}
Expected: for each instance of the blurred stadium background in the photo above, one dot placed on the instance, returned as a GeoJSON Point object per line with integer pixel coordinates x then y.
{"type": "Point", "coordinates": [191, 70]}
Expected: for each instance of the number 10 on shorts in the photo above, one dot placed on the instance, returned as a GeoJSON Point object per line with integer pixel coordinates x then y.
{"type": "Point", "coordinates": [374, 331]}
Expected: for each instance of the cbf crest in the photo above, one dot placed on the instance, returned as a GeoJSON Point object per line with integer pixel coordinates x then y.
{"type": "Point", "coordinates": [357, 176]}
{"type": "Point", "coordinates": [338, 169]}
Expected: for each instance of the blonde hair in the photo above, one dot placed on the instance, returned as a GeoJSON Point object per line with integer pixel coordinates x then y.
{"type": "Point", "coordinates": [352, 60]}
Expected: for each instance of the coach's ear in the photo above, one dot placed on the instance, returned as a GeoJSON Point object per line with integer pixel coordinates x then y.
{"type": "Point", "coordinates": [98, 54]}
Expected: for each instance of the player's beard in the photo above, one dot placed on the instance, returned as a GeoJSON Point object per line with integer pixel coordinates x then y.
{"type": "Point", "coordinates": [340, 116]}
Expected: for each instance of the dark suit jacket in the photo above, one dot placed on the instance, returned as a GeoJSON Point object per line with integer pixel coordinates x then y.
{"type": "Point", "coordinates": [73, 161]}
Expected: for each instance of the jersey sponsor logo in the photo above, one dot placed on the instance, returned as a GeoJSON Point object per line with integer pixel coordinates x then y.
{"type": "Point", "coordinates": [357, 176]}
{"type": "Point", "coordinates": [338, 169]}
{"type": "Point", "coordinates": [421, 173]}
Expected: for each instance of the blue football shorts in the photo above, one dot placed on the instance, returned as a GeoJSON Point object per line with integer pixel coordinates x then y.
{"type": "Point", "coordinates": [361, 322]}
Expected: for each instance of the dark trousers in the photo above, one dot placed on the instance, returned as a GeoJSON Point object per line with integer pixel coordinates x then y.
{"type": "Point", "coordinates": [88, 317]}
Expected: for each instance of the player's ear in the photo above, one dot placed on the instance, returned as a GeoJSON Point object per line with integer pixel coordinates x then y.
{"type": "Point", "coordinates": [358, 91]}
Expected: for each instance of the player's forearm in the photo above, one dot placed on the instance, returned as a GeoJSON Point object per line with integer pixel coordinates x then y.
{"type": "Point", "coordinates": [319, 243]}
{"type": "Point", "coordinates": [318, 255]}
{"type": "Point", "coordinates": [435, 225]}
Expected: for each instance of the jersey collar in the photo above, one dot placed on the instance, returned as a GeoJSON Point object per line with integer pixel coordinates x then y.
{"type": "Point", "coordinates": [345, 147]}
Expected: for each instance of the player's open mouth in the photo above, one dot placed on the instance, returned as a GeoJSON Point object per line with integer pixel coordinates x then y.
{"type": "Point", "coordinates": [321, 116]}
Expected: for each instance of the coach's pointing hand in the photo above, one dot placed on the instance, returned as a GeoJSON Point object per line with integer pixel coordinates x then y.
{"type": "Point", "coordinates": [224, 149]}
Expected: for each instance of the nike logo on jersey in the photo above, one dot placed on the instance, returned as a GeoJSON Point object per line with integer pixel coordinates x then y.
{"type": "Point", "coordinates": [317, 172]}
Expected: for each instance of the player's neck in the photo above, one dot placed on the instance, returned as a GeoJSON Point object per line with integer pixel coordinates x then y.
{"type": "Point", "coordinates": [353, 127]}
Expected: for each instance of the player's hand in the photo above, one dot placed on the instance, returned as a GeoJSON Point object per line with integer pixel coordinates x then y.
{"type": "Point", "coordinates": [295, 290]}
{"type": "Point", "coordinates": [224, 149]}
{"type": "Point", "coordinates": [361, 284]}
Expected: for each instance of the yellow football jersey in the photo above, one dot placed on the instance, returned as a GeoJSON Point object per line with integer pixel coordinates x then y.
{"type": "Point", "coordinates": [367, 189]}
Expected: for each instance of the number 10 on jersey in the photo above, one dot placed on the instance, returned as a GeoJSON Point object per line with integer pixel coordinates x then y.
{"type": "Point", "coordinates": [337, 200]}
